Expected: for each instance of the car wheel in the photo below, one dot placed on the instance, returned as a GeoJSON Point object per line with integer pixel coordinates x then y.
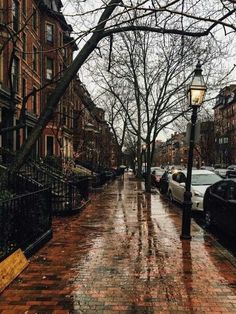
{"type": "Point", "coordinates": [170, 196]}
{"type": "Point", "coordinates": [208, 218]}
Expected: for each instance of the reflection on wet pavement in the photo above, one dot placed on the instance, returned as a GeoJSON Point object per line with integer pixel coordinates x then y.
{"type": "Point", "coordinates": [123, 254]}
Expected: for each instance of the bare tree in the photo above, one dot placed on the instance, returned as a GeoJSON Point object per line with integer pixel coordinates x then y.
{"type": "Point", "coordinates": [116, 120]}
{"type": "Point", "coordinates": [190, 20]}
{"type": "Point", "coordinates": [148, 76]}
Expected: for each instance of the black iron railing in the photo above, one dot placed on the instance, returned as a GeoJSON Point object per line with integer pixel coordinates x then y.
{"type": "Point", "coordinates": [21, 185]}
{"type": "Point", "coordinates": [25, 222]}
{"type": "Point", "coordinates": [67, 196]}
{"type": "Point", "coordinates": [84, 186]}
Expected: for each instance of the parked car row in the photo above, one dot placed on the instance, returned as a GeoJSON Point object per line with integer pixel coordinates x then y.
{"type": "Point", "coordinates": [229, 172]}
{"type": "Point", "coordinates": [213, 195]}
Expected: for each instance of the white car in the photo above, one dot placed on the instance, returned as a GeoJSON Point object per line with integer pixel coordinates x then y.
{"type": "Point", "coordinates": [201, 179]}
{"type": "Point", "coordinates": [221, 172]}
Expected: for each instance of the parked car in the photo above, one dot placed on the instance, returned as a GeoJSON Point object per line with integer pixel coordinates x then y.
{"type": "Point", "coordinates": [201, 179]}
{"type": "Point", "coordinates": [164, 182]}
{"type": "Point", "coordinates": [210, 168]}
{"type": "Point", "coordinates": [220, 205]}
{"type": "Point", "coordinates": [221, 172]}
{"type": "Point", "coordinates": [231, 171]}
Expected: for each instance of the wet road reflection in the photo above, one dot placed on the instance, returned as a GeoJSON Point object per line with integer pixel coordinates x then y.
{"type": "Point", "coordinates": [123, 254]}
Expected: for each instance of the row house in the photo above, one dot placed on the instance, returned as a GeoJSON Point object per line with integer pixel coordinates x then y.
{"type": "Point", "coordinates": [216, 139]}
{"type": "Point", "coordinates": [225, 126]}
{"type": "Point", "coordinates": [93, 141]}
{"type": "Point", "coordinates": [58, 47]}
{"type": "Point", "coordinates": [86, 129]}
{"type": "Point", "coordinates": [19, 68]}
{"type": "Point", "coordinates": [35, 49]}
{"type": "Point", "coordinates": [205, 146]}
{"type": "Point", "coordinates": [173, 151]}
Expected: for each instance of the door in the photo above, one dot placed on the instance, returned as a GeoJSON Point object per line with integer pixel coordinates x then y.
{"type": "Point", "coordinates": [230, 209]}
{"type": "Point", "coordinates": [218, 204]}
{"type": "Point", "coordinates": [181, 188]}
{"type": "Point", "coordinates": [173, 186]}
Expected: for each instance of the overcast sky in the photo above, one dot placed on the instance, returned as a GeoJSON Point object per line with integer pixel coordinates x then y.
{"type": "Point", "coordinates": [83, 23]}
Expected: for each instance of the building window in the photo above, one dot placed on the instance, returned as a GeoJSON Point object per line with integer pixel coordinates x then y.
{"type": "Point", "coordinates": [35, 59]}
{"type": "Point", "coordinates": [15, 14]}
{"type": "Point", "coordinates": [15, 74]}
{"type": "Point", "coordinates": [49, 68]}
{"type": "Point", "coordinates": [34, 100]}
{"type": "Point", "coordinates": [24, 7]}
{"type": "Point", "coordinates": [23, 88]}
{"type": "Point", "coordinates": [24, 46]}
{"type": "Point", "coordinates": [61, 69]}
{"type": "Point", "coordinates": [75, 123]}
{"type": "Point", "coordinates": [64, 53]}
{"type": "Point", "coordinates": [49, 145]}
{"type": "Point", "coordinates": [34, 19]}
{"type": "Point", "coordinates": [64, 118]}
{"type": "Point", "coordinates": [1, 66]}
{"type": "Point", "coordinates": [61, 39]}
{"type": "Point", "coordinates": [53, 5]}
{"type": "Point", "coordinates": [1, 12]}
{"type": "Point", "coordinates": [49, 33]}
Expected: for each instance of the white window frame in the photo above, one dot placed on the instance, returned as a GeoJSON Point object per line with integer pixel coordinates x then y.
{"type": "Point", "coordinates": [49, 71]}
{"type": "Point", "coordinates": [49, 33]}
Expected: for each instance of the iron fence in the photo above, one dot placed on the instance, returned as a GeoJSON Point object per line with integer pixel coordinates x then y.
{"type": "Point", "coordinates": [25, 222]}
{"type": "Point", "coordinates": [67, 196]}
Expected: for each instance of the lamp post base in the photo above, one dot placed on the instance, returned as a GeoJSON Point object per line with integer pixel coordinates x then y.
{"type": "Point", "coordinates": [186, 219]}
{"type": "Point", "coordinates": [185, 237]}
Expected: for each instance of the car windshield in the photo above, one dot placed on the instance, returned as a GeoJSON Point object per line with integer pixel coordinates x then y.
{"type": "Point", "coordinates": [205, 179]}
{"type": "Point", "coordinates": [159, 173]}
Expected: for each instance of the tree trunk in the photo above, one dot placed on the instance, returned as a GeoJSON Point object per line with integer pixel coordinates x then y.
{"type": "Point", "coordinates": [148, 184]}
{"type": "Point", "coordinates": [139, 158]}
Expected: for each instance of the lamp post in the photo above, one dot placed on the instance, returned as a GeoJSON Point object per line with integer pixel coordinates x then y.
{"type": "Point", "coordinates": [144, 148]}
{"type": "Point", "coordinates": [196, 93]}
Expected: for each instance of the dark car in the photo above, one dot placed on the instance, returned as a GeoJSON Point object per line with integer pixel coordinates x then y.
{"type": "Point", "coordinates": [219, 205]}
{"type": "Point", "coordinates": [231, 171]}
{"type": "Point", "coordinates": [164, 182]}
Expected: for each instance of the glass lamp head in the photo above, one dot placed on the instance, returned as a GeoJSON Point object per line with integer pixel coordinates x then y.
{"type": "Point", "coordinates": [197, 89]}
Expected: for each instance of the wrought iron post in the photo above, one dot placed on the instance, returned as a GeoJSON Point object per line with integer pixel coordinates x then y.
{"type": "Point", "coordinates": [187, 206]}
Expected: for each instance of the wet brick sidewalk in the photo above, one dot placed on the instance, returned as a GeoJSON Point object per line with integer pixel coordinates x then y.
{"type": "Point", "coordinates": [123, 254]}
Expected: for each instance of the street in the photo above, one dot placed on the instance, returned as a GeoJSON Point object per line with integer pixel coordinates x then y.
{"type": "Point", "coordinates": [123, 254]}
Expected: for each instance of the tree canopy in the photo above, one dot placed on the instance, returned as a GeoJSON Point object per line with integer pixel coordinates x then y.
{"type": "Point", "coordinates": [193, 18]}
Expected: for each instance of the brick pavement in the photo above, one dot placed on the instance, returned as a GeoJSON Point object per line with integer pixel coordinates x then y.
{"type": "Point", "coordinates": [123, 254]}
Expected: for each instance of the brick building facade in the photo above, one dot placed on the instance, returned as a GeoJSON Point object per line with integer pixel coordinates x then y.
{"type": "Point", "coordinates": [36, 47]}
{"type": "Point", "coordinates": [225, 126]}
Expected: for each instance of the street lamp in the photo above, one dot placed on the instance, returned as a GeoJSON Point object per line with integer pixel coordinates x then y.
{"type": "Point", "coordinates": [196, 94]}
